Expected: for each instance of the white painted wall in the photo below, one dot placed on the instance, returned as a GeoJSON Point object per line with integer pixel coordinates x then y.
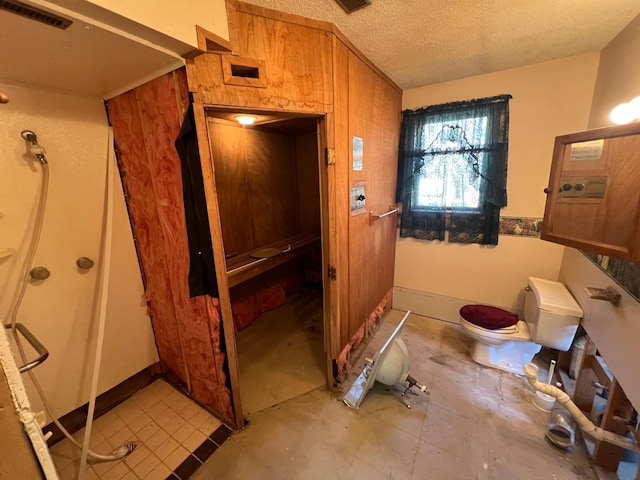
{"type": "Point", "coordinates": [549, 99]}
{"type": "Point", "coordinates": [176, 19]}
{"type": "Point", "coordinates": [618, 76]}
{"type": "Point", "coordinates": [615, 331]}
{"type": "Point", "coordinates": [60, 310]}
{"type": "Point", "coordinates": [167, 24]}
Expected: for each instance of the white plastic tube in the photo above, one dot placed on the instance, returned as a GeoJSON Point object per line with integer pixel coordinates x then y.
{"type": "Point", "coordinates": [586, 425]}
{"type": "Point", "coordinates": [15, 307]}
{"type": "Point", "coordinates": [105, 270]}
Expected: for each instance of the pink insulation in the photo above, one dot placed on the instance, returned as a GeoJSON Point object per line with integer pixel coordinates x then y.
{"type": "Point", "coordinates": [245, 311]}
{"type": "Point", "coordinates": [247, 305]}
{"type": "Point", "coordinates": [367, 329]}
{"type": "Point", "coordinates": [146, 123]}
{"type": "Point", "coordinates": [138, 185]}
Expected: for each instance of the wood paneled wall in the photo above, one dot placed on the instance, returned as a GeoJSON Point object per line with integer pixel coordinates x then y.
{"type": "Point", "coordinates": [369, 107]}
{"type": "Point", "coordinates": [262, 185]}
{"type": "Point", "coordinates": [374, 116]}
{"type": "Point", "coordinates": [296, 71]}
{"type": "Point", "coordinates": [266, 182]}
{"type": "Point", "coordinates": [146, 122]}
{"type": "Point", "coordinates": [308, 182]}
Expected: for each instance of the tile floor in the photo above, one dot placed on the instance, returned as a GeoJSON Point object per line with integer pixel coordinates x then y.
{"type": "Point", "coordinates": [168, 426]}
{"type": "Point", "coordinates": [478, 423]}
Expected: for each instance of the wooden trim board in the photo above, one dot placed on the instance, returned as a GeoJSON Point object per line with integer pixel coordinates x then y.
{"type": "Point", "coordinates": [219, 259]}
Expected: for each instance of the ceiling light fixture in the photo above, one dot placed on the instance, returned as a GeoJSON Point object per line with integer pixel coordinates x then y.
{"type": "Point", "coordinates": [245, 119]}
{"type": "Point", "coordinates": [626, 112]}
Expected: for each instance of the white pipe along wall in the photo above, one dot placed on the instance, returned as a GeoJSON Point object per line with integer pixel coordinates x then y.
{"type": "Point", "coordinates": [587, 426]}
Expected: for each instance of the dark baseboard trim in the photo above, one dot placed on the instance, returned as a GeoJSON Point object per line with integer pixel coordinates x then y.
{"type": "Point", "coordinates": [76, 419]}
{"type": "Point", "coordinates": [201, 454]}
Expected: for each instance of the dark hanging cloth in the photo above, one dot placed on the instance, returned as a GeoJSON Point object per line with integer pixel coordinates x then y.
{"type": "Point", "coordinates": [202, 272]}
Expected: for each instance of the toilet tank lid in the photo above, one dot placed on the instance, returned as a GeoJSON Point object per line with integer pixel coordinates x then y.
{"type": "Point", "coordinates": [554, 297]}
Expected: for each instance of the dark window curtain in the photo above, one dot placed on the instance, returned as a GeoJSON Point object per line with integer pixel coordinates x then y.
{"type": "Point", "coordinates": [452, 170]}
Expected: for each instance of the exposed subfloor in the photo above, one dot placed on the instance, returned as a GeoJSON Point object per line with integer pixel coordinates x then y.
{"type": "Point", "coordinates": [478, 423]}
{"type": "Point", "coordinates": [173, 433]}
{"type": "Point", "coordinates": [281, 354]}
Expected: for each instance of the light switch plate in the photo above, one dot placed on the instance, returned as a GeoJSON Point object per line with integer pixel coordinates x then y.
{"type": "Point", "coordinates": [358, 198]}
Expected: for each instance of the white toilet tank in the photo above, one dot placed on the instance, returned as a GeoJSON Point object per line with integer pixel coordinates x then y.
{"type": "Point", "coordinates": [551, 313]}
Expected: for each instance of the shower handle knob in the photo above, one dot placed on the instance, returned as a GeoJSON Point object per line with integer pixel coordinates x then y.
{"type": "Point", "coordinates": [39, 273]}
{"type": "Point", "coordinates": [84, 262]}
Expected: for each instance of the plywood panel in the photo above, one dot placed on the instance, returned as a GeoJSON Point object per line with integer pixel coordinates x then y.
{"type": "Point", "coordinates": [374, 116]}
{"type": "Point", "coordinates": [256, 182]}
{"type": "Point", "coordinates": [228, 150]}
{"type": "Point", "coordinates": [339, 199]}
{"type": "Point", "coordinates": [308, 182]}
{"type": "Point", "coordinates": [271, 170]}
{"type": "Point", "coordinates": [138, 187]}
{"type": "Point", "coordinates": [297, 64]}
{"type": "Point", "coordinates": [227, 344]}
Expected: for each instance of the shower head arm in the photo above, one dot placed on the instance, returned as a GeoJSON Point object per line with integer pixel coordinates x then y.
{"type": "Point", "coordinates": [36, 149]}
{"type": "Point", "coordinates": [29, 136]}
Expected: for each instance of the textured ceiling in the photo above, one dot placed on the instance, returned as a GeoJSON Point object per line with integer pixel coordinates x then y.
{"type": "Point", "coordinates": [421, 42]}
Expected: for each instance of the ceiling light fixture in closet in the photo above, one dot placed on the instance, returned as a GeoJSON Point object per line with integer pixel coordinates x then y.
{"type": "Point", "coordinates": [245, 119]}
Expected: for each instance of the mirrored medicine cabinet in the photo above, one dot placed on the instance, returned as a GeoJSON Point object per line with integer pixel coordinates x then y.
{"type": "Point", "coordinates": [593, 195]}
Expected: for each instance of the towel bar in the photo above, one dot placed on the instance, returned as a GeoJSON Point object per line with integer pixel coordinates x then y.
{"type": "Point", "coordinates": [373, 218]}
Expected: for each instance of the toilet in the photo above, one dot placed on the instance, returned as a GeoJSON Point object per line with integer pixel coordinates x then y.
{"type": "Point", "coordinates": [502, 341]}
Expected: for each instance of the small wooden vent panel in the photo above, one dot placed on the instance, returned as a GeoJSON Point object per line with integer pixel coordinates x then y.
{"type": "Point", "coordinates": [245, 72]}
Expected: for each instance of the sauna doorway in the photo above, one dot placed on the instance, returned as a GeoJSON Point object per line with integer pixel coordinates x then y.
{"type": "Point", "coordinates": [268, 189]}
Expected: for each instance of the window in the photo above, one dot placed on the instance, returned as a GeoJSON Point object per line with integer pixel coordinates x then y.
{"type": "Point", "coordinates": [452, 170]}
{"type": "Point", "coordinates": [449, 177]}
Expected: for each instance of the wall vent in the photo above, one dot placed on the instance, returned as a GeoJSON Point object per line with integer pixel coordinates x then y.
{"type": "Point", "coordinates": [351, 6]}
{"type": "Point", "coordinates": [34, 13]}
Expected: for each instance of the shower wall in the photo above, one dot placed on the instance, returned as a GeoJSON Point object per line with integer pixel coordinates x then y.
{"type": "Point", "coordinates": [60, 311]}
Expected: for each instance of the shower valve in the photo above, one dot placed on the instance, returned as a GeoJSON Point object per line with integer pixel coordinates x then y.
{"type": "Point", "coordinates": [39, 273]}
{"type": "Point", "coordinates": [84, 262]}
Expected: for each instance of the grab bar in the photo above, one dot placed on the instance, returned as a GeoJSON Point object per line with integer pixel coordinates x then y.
{"type": "Point", "coordinates": [373, 218]}
{"type": "Point", "coordinates": [43, 353]}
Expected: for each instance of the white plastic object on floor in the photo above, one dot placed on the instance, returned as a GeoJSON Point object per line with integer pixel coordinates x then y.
{"type": "Point", "coordinates": [543, 401]}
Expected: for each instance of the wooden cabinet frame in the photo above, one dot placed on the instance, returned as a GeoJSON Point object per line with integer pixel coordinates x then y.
{"type": "Point", "coordinates": [606, 219]}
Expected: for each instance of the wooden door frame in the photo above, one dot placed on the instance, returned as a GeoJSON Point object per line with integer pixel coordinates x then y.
{"type": "Point", "coordinates": [328, 233]}
{"type": "Point", "coordinates": [213, 212]}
